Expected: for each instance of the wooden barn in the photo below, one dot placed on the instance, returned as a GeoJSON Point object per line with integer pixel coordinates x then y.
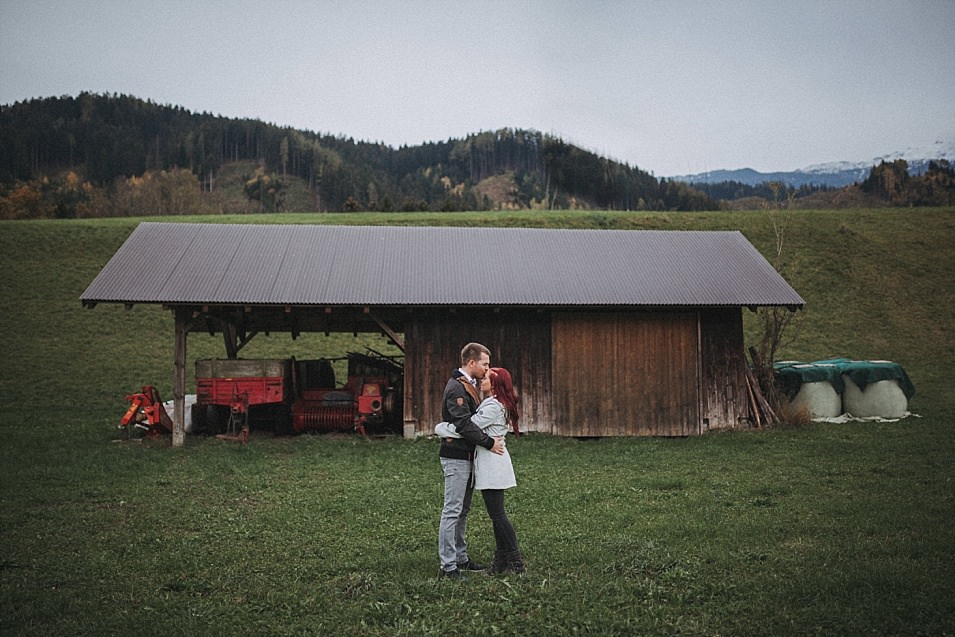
{"type": "Point", "coordinates": [606, 332]}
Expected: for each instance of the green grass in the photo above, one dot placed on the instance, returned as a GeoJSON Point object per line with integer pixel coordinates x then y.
{"type": "Point", "coordinates": [829, 529]}
{"type": "Point", "coordinates": [832, 529]}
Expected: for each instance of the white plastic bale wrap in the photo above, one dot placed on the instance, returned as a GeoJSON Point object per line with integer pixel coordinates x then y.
{"type": "Point", "coordinates": [883, 398]}
{"type": "Point", "coordinates": [819, 399]}
{"type": "Point", "coordinates": [171, 410]}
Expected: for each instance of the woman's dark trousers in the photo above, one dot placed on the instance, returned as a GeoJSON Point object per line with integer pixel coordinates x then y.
{"type": "Point", "coordinates": [507, 557]}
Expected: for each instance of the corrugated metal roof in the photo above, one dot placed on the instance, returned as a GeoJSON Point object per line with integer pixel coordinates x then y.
{"type": "Point", "coordinates": [180, 263]}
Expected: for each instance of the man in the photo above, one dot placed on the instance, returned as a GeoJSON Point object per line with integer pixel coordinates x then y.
{"type": "Point", "coordinates": [461, 399]}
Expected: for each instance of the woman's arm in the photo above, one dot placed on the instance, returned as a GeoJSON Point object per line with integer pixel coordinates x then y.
{"type": "Point", "coordinates": [490, 412]}
{"type": "Point", "coordinates": [446, 430]}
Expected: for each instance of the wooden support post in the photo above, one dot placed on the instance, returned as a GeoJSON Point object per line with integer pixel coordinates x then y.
{"type": "Point", "coordinates": [409, 419]}
{"type": "Point", "coordinates": [179, 378]}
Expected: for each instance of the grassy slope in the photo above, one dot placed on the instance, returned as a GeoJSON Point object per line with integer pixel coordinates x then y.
{"type": "Point", "coordinates": [834, 529]}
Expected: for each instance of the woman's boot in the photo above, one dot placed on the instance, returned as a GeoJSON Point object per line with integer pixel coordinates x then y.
{"type": "Point", "coordinates": [500, 563]}
{"type": "Point", "coordinates": [515, 562]}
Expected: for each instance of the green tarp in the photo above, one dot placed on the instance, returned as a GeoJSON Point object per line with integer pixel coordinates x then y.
{"type": "Point", "coordinates": [790, 375]}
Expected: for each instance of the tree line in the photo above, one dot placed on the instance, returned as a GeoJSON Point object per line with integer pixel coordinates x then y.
{"type": "Point", "coordinates": [109, 154]}
{"type": "Point", "coordinates": [892, 182]}
{"type": "Point", "coordinates": [888, 184]}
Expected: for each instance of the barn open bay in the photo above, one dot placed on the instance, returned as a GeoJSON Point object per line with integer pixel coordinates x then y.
{"type": "Point", "coordinates": [833, 528]}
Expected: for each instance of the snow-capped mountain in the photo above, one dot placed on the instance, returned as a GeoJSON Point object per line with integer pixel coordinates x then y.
{"type": "Point", "coordinates": [837, 174]}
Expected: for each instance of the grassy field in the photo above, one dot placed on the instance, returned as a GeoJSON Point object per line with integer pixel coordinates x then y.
{"type": "Point", "coordinates": [828, 529]}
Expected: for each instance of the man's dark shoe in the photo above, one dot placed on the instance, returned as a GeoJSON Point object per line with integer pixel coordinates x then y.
{"type": "Point", "coordinates": [456, 574]}
{"type": "Point", "coordinates": [471, 565]}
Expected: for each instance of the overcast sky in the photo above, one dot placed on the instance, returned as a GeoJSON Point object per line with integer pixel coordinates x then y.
{"type": "Point", "coordinates": [672, 87]}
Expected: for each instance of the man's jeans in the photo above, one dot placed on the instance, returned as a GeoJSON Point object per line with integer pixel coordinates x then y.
{"type": "Point", "coordinates": [458, 488]}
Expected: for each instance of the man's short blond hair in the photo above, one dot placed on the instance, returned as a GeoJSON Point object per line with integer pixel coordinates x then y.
{"type": "Point", "coordinates": [472, 352]}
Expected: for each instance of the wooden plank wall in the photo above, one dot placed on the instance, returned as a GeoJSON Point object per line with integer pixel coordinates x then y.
{"type": "Point", "coordinates": [626, 374]}
{"type": "Point", "coordinates": [519, 341]}
{"type": "Point", "coordinates": [590, 374]}
{"type": "Point", "coordinates": [723, 387]}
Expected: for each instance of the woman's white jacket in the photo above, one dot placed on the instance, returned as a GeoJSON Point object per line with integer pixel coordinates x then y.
{"type": "Point", "coordinates": [491, 470]}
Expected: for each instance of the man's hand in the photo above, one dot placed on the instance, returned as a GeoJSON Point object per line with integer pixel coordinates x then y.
{"type": "Point", "coordinates": [498, 447]}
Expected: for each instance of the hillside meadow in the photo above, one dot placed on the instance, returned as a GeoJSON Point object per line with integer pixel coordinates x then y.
{"type": "Point", "coordinates": [824, 529]}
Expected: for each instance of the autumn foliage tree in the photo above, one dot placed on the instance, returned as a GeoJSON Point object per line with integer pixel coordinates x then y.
{"type": "Point", "coordinates": [46, 198]}
{"type": "Point", "coordinates": [267, 189]}
{"type": "Point", "coordinates": [887, 180]}
{"type": "Point", "coordinates": [157, 192]}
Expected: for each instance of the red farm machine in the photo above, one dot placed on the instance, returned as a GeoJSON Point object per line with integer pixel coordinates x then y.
{"type": "Point", "coordinates": [146, 412]}
{"type": "Point", "coordinates": [290, 396]}
{"type": "Point", "coordinates": [368, 402]}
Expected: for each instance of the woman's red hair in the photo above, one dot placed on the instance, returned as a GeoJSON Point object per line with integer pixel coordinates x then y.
{"type": "Point", "coordinates": [504, 391]}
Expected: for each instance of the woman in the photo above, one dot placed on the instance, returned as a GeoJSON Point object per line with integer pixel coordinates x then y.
{"type": "Point", "coordinates": [494, 473]}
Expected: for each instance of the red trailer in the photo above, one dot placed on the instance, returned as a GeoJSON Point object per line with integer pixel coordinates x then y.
{"type": "Point", "coordinates": [231, 392]}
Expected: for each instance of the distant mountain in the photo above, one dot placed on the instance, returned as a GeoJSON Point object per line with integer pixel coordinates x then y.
{"type": "Point", "coordinates": [834, 174]}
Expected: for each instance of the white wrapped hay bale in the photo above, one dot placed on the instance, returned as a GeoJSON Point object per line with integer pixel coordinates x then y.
{"type": "Point", "coordinates": [811, 387]}
{"type": "Point", "coordinates": [881, 398]}
{"type": "Point", "coordinates": [170, 406]}
{"type": "Point", "coordinates": [819, 399]}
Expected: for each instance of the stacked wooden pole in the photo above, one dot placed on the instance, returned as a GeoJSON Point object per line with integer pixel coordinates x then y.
{"type": "Point", "coordinates": [763, 412]}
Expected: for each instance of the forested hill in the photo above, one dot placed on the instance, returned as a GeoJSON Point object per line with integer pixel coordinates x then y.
{"type": "Point", "coordinates": [93, 155]}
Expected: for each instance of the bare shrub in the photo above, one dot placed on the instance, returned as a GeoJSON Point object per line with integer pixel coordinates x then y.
{"type": "Point", "coordinates": [779, 325]}
{"type": "Point", "coordinates": [792, 416]}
